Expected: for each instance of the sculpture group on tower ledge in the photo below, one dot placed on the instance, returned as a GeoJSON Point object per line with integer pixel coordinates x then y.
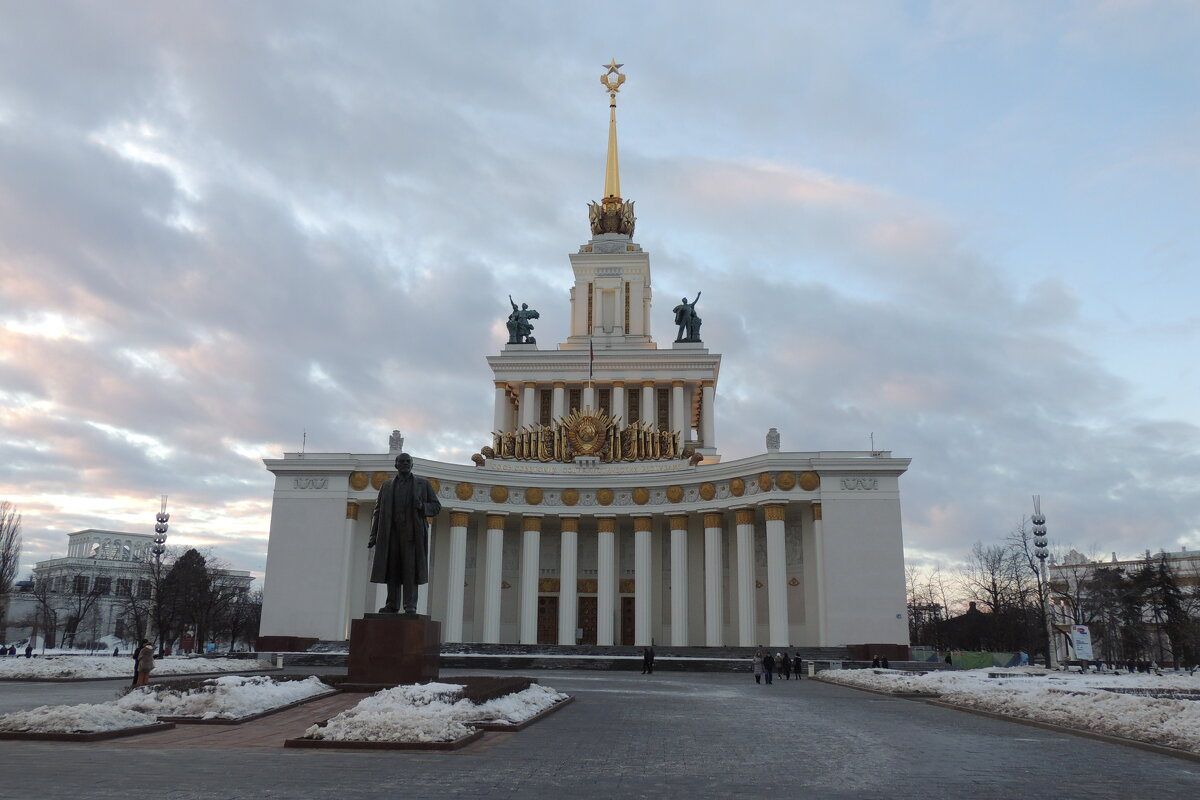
{"type": "Point", "coordinates": [587, 433]}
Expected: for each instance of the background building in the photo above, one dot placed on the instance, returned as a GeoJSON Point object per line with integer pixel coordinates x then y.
{"type": "Point", "coordinates": [99, 594]}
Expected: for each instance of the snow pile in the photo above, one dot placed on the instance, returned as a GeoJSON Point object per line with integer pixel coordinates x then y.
{"type": "Point", "coordinates": [433, 712]}
{"type": "Point", "coordinates": [517, 707]}
{"type": "Point", "coordinates": [119, 667]}
{"type": "Point", "coordinates": [227, 697]}
{"type": "Point", "coordinates": [83, 718]}
{"type": "Point", "coordinates": [1069, 699]}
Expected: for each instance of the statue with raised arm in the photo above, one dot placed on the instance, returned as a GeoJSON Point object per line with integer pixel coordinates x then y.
{"type": "Point", "coordinates": [518, 323]}
{"type": "Point", "coordinates": [688, 320]}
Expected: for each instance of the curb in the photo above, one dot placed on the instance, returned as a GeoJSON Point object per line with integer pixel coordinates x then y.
{"type": "Point", "coordinates": [96, 736]}
{"type": "Point", "coordinates": [353, 745]}
{"type": "Point", "coordinates": [130, 677]}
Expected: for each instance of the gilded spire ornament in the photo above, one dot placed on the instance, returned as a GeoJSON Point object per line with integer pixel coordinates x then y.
{"type": "Point", "coordinates": [612, 214]}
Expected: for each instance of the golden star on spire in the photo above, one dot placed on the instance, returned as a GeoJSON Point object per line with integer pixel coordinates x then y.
{"type": "Point", "coordinates": [612, 66]}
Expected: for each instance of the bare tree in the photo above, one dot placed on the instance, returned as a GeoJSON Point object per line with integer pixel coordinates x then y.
{"type": "Point", "coordinates": [10, 557]}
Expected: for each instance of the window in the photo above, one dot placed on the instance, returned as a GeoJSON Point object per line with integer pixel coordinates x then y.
{"type": "Point", "coordinates": [547, 406]}
{"type": "Point", "coordinates": [103, 585]}
{"type": "Point", "coordinates": [664, 409]}
{"type": "Point", "coordinates": [576, 398]}
{"type": "Point", "coordinates": [606, 400]}
{"type": "Point", "coordinates": [633, 404]}
{"type": "Point", "coordinates": [80, 584]}
{"type": "Point", "coordinates": [144, 590]}
{"type": "Point", "coordinates": [124, 587]}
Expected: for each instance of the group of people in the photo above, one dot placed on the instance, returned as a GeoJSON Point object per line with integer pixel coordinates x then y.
{"type": "Point", "coordinates": [779, 665]}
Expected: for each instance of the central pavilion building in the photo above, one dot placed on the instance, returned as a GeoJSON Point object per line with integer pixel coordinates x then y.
{"type": "Point", "coordinates": [601, 511]}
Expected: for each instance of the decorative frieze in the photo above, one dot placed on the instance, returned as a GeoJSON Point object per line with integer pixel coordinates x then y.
{"type": "Point", "coordinates": [810, 481]}
{"type": "Point", "coordinates": [860, 484]}
{"type": "Point", "coordinates": [310, 483]}
{"type": "Point", "coordinates": [359, 480]}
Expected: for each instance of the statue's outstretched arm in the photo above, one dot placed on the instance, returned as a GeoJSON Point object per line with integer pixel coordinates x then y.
{"type": "Point", "coordinates": [697, 300]}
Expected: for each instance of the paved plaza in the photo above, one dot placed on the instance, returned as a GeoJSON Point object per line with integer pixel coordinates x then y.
{"type": "Point", "coordinates": [626, 736]}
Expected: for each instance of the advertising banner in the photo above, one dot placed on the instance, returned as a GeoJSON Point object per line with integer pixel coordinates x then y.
{"type": "Point", "coordinates": [1081, 640]}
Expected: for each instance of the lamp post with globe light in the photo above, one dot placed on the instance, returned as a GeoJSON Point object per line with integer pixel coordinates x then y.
{"type": "Point", "coordinates": [160, 532]}
{"type": "Point", "coordinates": [1041, 549]}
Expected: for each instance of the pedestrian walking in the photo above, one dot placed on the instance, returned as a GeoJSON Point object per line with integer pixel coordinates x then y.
{"type": "Point", "coordinates": [145, 663]}
{"type": "Point", "coordinates": [797, 665]}
{"type": "Point", "coordinates": [786, 664]}
{"type": "Point", "coordinates": [648, 660]}
{"type": "Point", "coordinates": [768, 667]}
{"type": "Point", "coordinates": [756, 664]}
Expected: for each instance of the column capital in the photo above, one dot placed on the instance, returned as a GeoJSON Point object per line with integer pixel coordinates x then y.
{"type": "Point", "coordinates": [501, 384]}
{"type": "Point", "coordinates": [495, 521]}
{"type": "Point", "coordinates": [606, 524]}
{"type": "Point", "coordinates": [618, 384]}
{"type": "Point", "coordinates": [816, 508]}
{"type": "Point", "coordinates": [560, 384]}
{"type": "Point", "coordinates": [648, 384]}
{"type": "Point", "coordinates": [775, 511]}
{"type": "Point", "coordinates": [458, 519]}
{"type": "Point", "coordinates": [679, 522]}
{"type": "Point", "coordinates": [706, 384]}
{"type": "Point", "coordinates": [352, 509]}
{"type": "Point", "coordinates": [530, 384]}
{"type": "Point", "coordinates": [531, 522]}
{"type": "Point", "coordinates": [713, 519]}
{"type": "Point", "coordinates": [569, 524]}
{"type": "Point", "coordinates": [744, 516]}
{"type": "Point", "coordinates": [642, 523]}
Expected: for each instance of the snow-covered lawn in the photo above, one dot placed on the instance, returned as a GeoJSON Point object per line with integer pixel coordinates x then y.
{"type": "Point", "coordinates": [432, 712]}
{"type": "Point", "coordinates": [1072, 700]}
{"type": "Point", "coordinates": [227, 697]}
{"type": "Point", "coordinates": [12, 667]}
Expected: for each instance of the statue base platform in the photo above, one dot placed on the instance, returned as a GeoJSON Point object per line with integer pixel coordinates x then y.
{"type": "Point", "coordinates": [392, 649]}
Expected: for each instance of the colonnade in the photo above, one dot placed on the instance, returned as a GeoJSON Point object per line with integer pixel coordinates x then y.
{"type": "Point", "coordinates": [520, 407]}
{"type": "Point", "coordinates": [489, 576]}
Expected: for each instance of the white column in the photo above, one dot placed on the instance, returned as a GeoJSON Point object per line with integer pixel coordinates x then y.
{"type": "Point", "coordinates": [642, 581]}
{"type": "Point", "coordinates": [529, 413]}
{"type": "Point", "coordinates": [501, 418]}
{"type": "Point", "coordinates": [455, 576]}
{"type": "Point", "coordinates": [708, 434]}
{"type": "Point", "coordinates": [589, 397]}
{"type": "Point", "coordinates": [745, 572]}
{"type": "Point", "coordinates": [422, 591]}
{"type": "Point", "coordinates": [493, 571]}
{"type": "Point", "coordinates": [677, 418]}
{"type": "Point", "coordinates": [649, 413]}
{"type": "Point", "coordinates": [618, 401]}
{"type": "Point", "coordinates": [819, 553]}
{"type": "Point", "coordinates": [531, 547]}
{"type": "Point", "coordinates": [713, 606]}
{"type": "Point", "coordinates": [347, 568]}
{"type": "Point", "coordinates": [558, 400]}
{"type": "Point", "coordinates": [777, 611]}
{"type": "Point", "coordinates": [568, 580]}
{"type": "Point", "coordinates": [606, 579]}
{"type": "Point", "coordinates": [679, 583]}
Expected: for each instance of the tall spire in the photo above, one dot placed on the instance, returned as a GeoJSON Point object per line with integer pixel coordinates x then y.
{"type": "Point", "coordinates": [612, 171]}
{"type": "Point", "coordinates": [612, 214]}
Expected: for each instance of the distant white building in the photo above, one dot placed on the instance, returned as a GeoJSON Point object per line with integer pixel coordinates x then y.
{"type": "Point", "coordinates": [95, 580]}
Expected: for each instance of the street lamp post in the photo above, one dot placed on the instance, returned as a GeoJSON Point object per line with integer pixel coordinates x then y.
{"type": "Point", "coordinates": [1041, 549]}
{"type": "Point", "coordinates": [160, 532]}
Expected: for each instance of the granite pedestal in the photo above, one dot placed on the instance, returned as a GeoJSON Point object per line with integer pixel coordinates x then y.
{"type": "Point", "coordinates": [392, 649]}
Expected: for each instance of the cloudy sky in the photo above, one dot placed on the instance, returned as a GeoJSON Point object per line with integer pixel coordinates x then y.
{"type": "Point", "coordinates": [967, 228]}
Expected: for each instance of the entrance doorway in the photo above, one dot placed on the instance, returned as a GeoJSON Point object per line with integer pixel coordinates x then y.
{"type": "Point", "coordinates": [547, 626]}
{"type": "Point", "coordinates": [627, 620]}
{"type": "Point", "coordinates": [588, 619]}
